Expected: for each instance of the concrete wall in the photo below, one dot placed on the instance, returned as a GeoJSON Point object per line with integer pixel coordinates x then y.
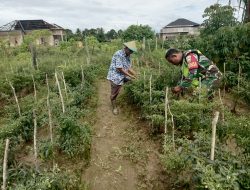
{"type": "Point", "coordinates": [16, 38]}
{"type": "Point", "coordinates": [175, 31]}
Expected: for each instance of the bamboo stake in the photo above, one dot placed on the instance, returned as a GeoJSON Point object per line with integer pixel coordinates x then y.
{"type": "Point", "coordinates": [166, 112]}
{"type": "Point", "coordinates": [65, 86]}
{"type": "Point", "coordinates": [35, 139]}
{"type": "Point", "coordinates": [214, 122]}
{"type": "Point", "coordinates": [88, 60]}
{"type": "Point", "coordinates": [50, 120]}
{"type": "Point", "coordinates": [239, 74]}
{"type": "Point", "coordinates": [150, 89]}
{"type": "Point", "coordinates": [144, 80]}
{"type": "Point", "coordinates": [60, 93]}
{"type": "Point", "coordinates": [49, 111]}
{"type": "Point", "coordinates": [87, 48]}
{"type": "Point", "coordinates": [224, 75]}
{"type": "Point", "coordinates": [156, 45]}
{"type": "Point", "coordinates": [223, 109]}
{"type": "Point", "coordinates": [159, 67]}
{"type": "Point", "coordinates": [149, 48]}
{"type": "Point", "coordinates": [5, 164]}
{"type": "Point", "coordinates": [172, 119]}
{"type": "Point", "coordinates": [34, 84]}
{"type": "Point", "coordinates": [166, 118]}
{"type": "Point", "coordinates": [14, 92]}
{"type": "Point", "coordinates": [199, 89]}
{"type": "Point", "coordinates": [144, 44]}
{"type": "Point", "coordinates": [82, 84]}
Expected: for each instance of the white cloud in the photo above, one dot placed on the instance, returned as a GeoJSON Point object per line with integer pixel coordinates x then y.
{"type": "Point", "coordinates": [117, 14]}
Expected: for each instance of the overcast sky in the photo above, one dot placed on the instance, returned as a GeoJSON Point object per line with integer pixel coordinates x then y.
{"type": "Point", "coordinates": [116, 14]}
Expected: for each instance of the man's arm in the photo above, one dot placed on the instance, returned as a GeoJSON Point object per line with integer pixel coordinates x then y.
{"type": "Point", "coordinates": [123, 71]}
{"type": "Point", "coordinates": [131, 71]}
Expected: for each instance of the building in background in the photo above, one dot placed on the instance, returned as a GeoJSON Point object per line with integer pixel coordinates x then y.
{"type": "Point", "coordinates": [179, 27]}
{"type": "Point", "coordinates": [15, 32]}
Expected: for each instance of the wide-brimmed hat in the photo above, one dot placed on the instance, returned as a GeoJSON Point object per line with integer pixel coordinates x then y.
{"type": "Point", "coordinates": [131, 45]}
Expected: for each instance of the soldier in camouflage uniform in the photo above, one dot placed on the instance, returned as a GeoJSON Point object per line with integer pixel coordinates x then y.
{"type": "Point", "coordinates": [195, 67]}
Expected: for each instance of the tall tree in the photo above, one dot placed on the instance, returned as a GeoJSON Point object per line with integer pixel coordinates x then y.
{"type": "Point", "coordinates": [119, 33]}
{"type": "Point", "coordinates": [69, 34]}
{"type": "Point", "coordinates": [217, 16]}
{"type": "Point", "coordinates": [138, 32]}
{"type": "Point", "coordinates": [112, 34]}
{"type": "Point", "coordinates": [78, 35]}
{"type": "Point", "coordinates": [100, 34]}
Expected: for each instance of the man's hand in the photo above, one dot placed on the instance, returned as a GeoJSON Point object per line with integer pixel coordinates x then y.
{"type": "Point", "coordinates": [133, 77]}
{"type": "Point", "coordinates": [176, 89]}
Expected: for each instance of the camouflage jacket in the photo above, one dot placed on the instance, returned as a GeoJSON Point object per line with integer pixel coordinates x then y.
{"type": "Point", "coordinates": [194, 66]}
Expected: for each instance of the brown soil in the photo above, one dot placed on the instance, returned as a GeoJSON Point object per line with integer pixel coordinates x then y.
{"type": "Point", "coordinates": [122, 156]}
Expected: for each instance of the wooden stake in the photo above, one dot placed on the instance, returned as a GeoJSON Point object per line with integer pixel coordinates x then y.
{"type": "Point", "coordinates": [49, 112]}
{"type": "Point", "coordinates": [159, 67]}
{"type": "Point", "coordinates": [50, 120]}
{"type": "Point", "coordinates": [144, 44]}
{"type": "Point", "coordinates": [5, 164]}
{"type": "Point", "coordinates": [149, 48]}
{"type": "Point", "coordinates": [60, 93]}
{"type": "Point", "coordinates": [33, 53]}
{"type": "Point", "coordinates": [14, 92]}
{"type": "Point", "coordinates": [156, 43]}
{"type": "Point", "coordinates": [166, 112]}
{"type": "Point", "coordinates": [172, 119]}
{"type": "Point", "coordinates": [87, 49]}
{"type": "Point", "coordinates": [65, 86]}
{"type": "Point", "coordinates": [150, 89]}
{"type": "Point", "coordinates": [35, 139]}
{"type": "Point", "coordinates": [199, 89]}
{"type": "Point", "coordinates": [214, 122]}
{"type": "Point", "coordinates": [166, 118]}
{"type": "Point", "coordinates": [34, 84]}
{"type": "Point", "coordinates": [224, 75]}
{"type": "Point", "coordinates": [82, 84]}
{"type": "Point", "coordinates": [239, 74]}
{"type": "Point", "coordinates": [144, 80]}
{"type": "Point", "coordinates": [223, 109]}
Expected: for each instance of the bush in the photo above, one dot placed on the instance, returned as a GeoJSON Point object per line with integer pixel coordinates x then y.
{"type": "Point", "coordinates": [73, 139]}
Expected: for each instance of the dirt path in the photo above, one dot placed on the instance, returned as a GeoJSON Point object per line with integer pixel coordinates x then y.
{"type": "Point", "coordinates": [122, 157]}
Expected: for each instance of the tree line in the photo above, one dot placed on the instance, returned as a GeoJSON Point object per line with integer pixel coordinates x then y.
{"type": "Point", "coordinates": [133, 32]}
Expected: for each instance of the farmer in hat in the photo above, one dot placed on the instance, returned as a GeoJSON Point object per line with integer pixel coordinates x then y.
{"type": "Point", "coordinates": [195, 67]}
{"type": "Point", "coordinates": [120, 71]}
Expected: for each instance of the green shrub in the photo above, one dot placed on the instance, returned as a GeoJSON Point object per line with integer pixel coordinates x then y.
{"type": "Point", "coordinates": [73, 139]}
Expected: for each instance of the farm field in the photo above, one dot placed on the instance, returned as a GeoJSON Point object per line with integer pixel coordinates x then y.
{"type": "Point", "coordinates": [57, 121]}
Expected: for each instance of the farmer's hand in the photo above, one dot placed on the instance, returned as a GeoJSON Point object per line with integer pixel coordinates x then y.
{"type": "Point", "coordinates": [176, 89]}
{"type": "Point", "coordinates": [133, 77]}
